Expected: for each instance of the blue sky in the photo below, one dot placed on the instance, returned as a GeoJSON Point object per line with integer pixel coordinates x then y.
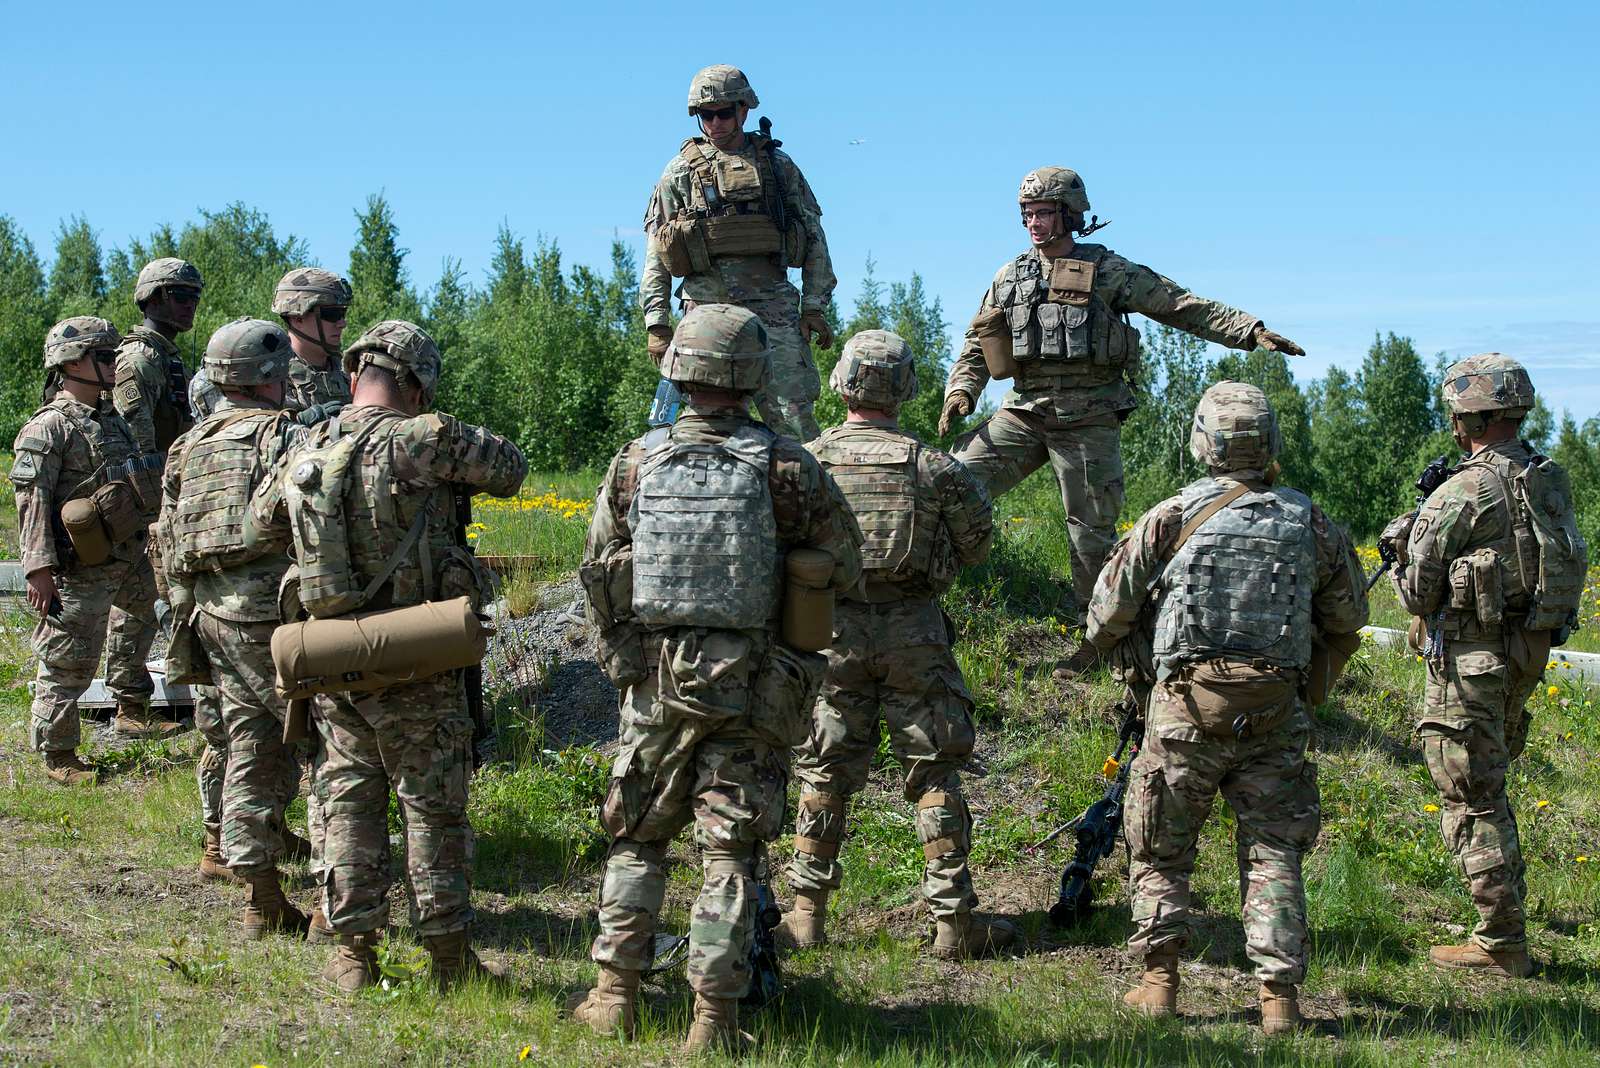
{"type": "Point", "coordinates": [1335, 169]}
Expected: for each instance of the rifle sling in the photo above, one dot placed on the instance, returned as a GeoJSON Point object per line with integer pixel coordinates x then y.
{"type": "Point", "coordinates": [1200, 517]}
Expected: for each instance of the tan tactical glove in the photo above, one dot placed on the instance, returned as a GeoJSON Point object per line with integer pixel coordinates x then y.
{"type": "Point", "coordinates": [1266, 339]}
{"type": "Point", "coordinates": [815, 324]}
{"type": "Point", "coordinates": [956, 406]}
{"type": "Point", "coordinates": [656, 344]}
{"type": "Point", "coordinates": [1396, 536]}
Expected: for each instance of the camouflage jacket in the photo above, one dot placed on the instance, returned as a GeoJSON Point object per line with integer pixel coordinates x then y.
{"type": "Point", "coordinates": [152, 389]}
{"type": "Point", "coordinates": [951, 505]}
{"type": "Point", "coordinates": [407, 464]}
{"type": "Point", "coordinates": [309, 385]}
{"type": "Point", "coordinates": [247, 592]}
{"type": "Point", "coordinates": [61, 455]}
{"type": "Point", "coordinates": [1130, 581]}
{"type": "Point", "coordinates": [738, 279]}
{"type": "Point", "coordinates": [1124, 287]}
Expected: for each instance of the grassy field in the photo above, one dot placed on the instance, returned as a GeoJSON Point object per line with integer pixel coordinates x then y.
{"type": "Point", "coordinates": [113, 952]}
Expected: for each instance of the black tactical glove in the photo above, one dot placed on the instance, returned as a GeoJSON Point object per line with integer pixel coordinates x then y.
{"type": "Point", "coordinates": [317, 413]}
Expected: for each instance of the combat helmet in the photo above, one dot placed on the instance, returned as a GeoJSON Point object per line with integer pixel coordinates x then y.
{"type": "Point", "coordinates": [78, 336]}
{"type": "Point", "coordinates": [305, 289]}
{"type": "Point", "coordinates": [247, 352]}
{"type": "Point", "coordinates": [167, 271]}
{"type": "Point", "coordinates": [1489, 384]}
{"type": "Point", "coordinates": [721, 84]}
{"type": "Point", "coordinates": [1056, 184]}
{"type": "Point", "coordinates": [1235, 428]}
{"type": "Point", "coordinates": [397, 346]}
{"type": "Point", "coordinates": [719, 346]}
{"type": "Point", "coordinates": [876, 369]}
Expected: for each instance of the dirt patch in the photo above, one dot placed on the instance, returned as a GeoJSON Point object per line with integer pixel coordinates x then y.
{"type": "Point", "coordinates": [545, 661]}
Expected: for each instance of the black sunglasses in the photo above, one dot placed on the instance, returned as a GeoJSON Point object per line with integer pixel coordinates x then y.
{"type": "Point", "coordinates": [333, 315]}
{"type": "Point", "coordinates": [105, 356]}
{"type": "Point", "coordinates": [184, 296]}
{"type": "Point", "coordinates": [719, 113]}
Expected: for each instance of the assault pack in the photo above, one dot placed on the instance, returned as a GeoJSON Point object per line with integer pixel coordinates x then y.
{"type": "Point", "coordinates": [1552, 556]}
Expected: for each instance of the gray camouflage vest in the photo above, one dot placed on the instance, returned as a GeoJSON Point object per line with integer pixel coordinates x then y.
{"type": "Point", "coordinates": [705, 542]}
{"type": "Point", "coordinates": [1241, 586]}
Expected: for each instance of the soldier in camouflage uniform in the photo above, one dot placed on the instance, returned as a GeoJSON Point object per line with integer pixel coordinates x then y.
{"type": "Point", "coordinates": [681, 569]}
{"type": "Point", "coordinates": [1244, 578]}
{"type": "Point", "coordinates": [1063, 306]}
{"type": "Point", "coordinates": [730, 215]}
{"type": "Point", "coordinates": [224, 592]}
{"type": "Point", "coordinates": [923, 517]}
{"type": "Point", "coordinates": [397, 509]}
{"type": "Point", "coordinates": [69, 449]}
{"type": "Point", "coordinates": [1493, 582]}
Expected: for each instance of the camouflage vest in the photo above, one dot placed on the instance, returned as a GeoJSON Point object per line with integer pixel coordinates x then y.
{"type": "Point", "coordinates": [736, 207]}
{"type": "Point", "coordinates": [1240, 588]}
{"type": "Point", "coordinates": [313, 492]}
{"type": "Point", "coordinates": [1061, 325]}
{"type": "Point", "coordinates": [705, 541]}
{"type": "Point", "coordinates": [172, 415]}
{"type": "Point", "coordinates": [220, 467]}
{"type": "Point", "coordinates": [877, 471]}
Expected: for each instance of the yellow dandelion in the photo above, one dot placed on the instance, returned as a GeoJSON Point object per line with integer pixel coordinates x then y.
{"type": "Point", "coordinates": [1582, 860]}
{"type": "Point", "coordinates": [472, 535]}
{"type": "Point", "coordinates": [1430, 808]}
{"type": "Point", "coordinates": [524, 1052]}
{"type": "Point", "coordinates": [1541, 803]}
{"type": "Point", "coordinates": [1551, 664]}
{"type": "Point", "coordinates": [1552, 690]}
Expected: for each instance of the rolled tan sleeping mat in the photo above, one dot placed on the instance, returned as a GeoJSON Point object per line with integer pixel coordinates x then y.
{"type": "Point", "coordinates": [994, 337]}
{"type": "Point", "coordinates": [807, 600]}
{"type": "Point", "coordinates": [87, 534]}
{"type": "Point", "coordinates": [372, 650]}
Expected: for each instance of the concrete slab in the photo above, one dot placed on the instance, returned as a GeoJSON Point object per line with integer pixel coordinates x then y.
{"type": "Point", "coordinates": [1584, 667]}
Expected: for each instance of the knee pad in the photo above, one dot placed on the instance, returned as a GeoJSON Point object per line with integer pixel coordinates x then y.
{"type": "Point", "coordinates": [819, 825]}
{"type": "Point", "coordinates": [739, 861]}
{"type": "Point", "coordinates": [944, 825]}
{"type": "Point", "coordinates": [652, 854]}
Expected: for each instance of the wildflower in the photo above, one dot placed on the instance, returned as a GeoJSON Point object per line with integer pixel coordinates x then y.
{"type": "Point", "coordinates": [1430, 808]}
{"type": "Point", "coordinates": [1552, 690]}
{"type": "Point", "coordinates": [522, 1054]}
{"type": "Point", "coordinates": [472, 535]}
{"type": "Point", "coordinates": [1583, 860]}
{"type": "Point", "coordinates": [1541, 803]}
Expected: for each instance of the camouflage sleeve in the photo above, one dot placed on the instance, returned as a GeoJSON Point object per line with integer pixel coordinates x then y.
{"type": "Point", "coordinates": [1443, 529]}
{"type": "Point", "coordinates": [1122, 590]}
{"type": "Point", "coordinates": [811, 511]}
{"type": "Point", "coordinates": [1137, 288]}
{"type": "Point", "coordinates": [612, 502]}
{"type": "Point", "coordinates": [655, 282]}
{"type": "Point", "coordinates": [964, 507]}
{"type": "Point", "coordinates": [969, 374]}
{"type": "Point", "coordinates": [138, 388]}
{"type": "Point", "coordinates": [438, 449]}
{"type": "Point", "coordinates": [1339, 605]}
{"type": "Point", "coordinates": [34, 472]}
{"type": "Point", "coordinates": [817, 280]}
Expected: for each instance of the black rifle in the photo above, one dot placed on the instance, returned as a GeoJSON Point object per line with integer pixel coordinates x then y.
{"type": "Point", "coordinates": [780, 209]}
{"type": "Point", "coordinates": [1100, 824]}
{"type": "Point", "coordinates": [766, 978]}
{"type": "Point", "coordinates": [472, 676]}
{"type": "Point", "coordinates": [1433, 476]}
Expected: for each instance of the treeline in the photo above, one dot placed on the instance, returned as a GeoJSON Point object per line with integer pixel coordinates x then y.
{"type": "Point", "coordinates": [554, 356]}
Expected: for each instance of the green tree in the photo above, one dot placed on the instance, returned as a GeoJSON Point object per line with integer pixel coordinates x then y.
{"type": "Point", "coordinates": [77, 278]}
{"type": "Point", "coordinates": [1156, 461]}
{"type": "Point", "coordinates": [378, 272]}
{"type": "Point", "coordinates": [1400, 414]}
{"type": "Point", "coordinates": [1346, 457]}
{"type": "Point", "coordinates": [23, 326]}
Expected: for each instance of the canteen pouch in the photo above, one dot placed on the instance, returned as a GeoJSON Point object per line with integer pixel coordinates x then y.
{"type": "Point", "coordinates": [807, 600]}
{"type": "Point", "coordinates": [620, 653]}
{"type": "Point", "coordinates": [681, 244]}
{"type": "Point", "coordinates": [1329, 654]}
{"type": "Point", "coordinates": [608, 582]}
{"type": "Point", "coordinates": [86, 532]}
{"type": "Point", "coordinates": [119, 510]}
{"type": "Point", "coordinates": [784, 692]}
{"type": "Point", "coordinates": [993, 332]}
{"type": "Point", "coordinates": [373, 650]}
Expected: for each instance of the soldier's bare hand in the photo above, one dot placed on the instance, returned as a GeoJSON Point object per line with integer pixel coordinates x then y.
{"type": "Point", "coordinates": [956, 406]}
{"type": "Point", "coordinates": [815, 324]}
{"type": "Point", "coordinates": [1274, 342]}
{"type": "Point", "coordinates": [41, 590]}
{"type": "Point", "coordinates": [656, 345]}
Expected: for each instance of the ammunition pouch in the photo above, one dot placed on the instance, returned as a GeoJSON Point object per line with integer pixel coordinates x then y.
{"type": "Point", "coordinates": [1475, 588]}
{"type": "Point", "coordinates": [91, 544]}
{"type": "Point", "coordinates": [741, 234]}
{"type": "Point", "coordinates": [681, 244]}
{"type": "Point", "coordinates": [620, 653]}
{"type": "Point", "coordinates": [1329, 654]}
{"type": "Point", "coordinates": [807, 600]}
{"type": "Point", "coordinates": [152, 548]}
{"type": "Point", "coordinates": [784, 691]}
{"type": "Point", "coordinates": [608, 583]}
{"type": "Point", "coordinates": [119, 510]}
{"type": "Point", "coordinates": [374, 650]}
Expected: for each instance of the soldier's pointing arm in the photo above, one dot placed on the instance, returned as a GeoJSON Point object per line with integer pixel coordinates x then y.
{"type": "Point", "coordinates": [444, 449]}
{"type": "Point", "coordinates": [1339, 605]}
{"type": "Point", "coordinates": [1137, 288]}
{"type": "Point", "coordinates": [965, 508]}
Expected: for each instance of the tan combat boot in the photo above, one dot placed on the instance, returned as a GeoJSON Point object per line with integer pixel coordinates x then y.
{"type": "Point", "coordinates": [136, 719]}
{"type": "Point", "coordinates": [1157, 992]}
{"type": "Point", "coordinates": [63, 766]}
{"type": "Point", "coordinates": [354, 964]}
{"type": "Point", "coordinates": [965, 936]}
{"type": "Point", "coordinates": [1507, 963]}
{"type": "Point", "coordinates": [1280, 1008]}
{"type": "Point", "coordinates": [267, 909]}
{"type": "Point", "coordinates": [611, 1007]}
{"type": "Point", "coordinates": [211, 864]}
{"type": "Point", "coordinates": [715, 1028]}
{"type": "Point", "coordinates": [805, 925]}
{"type": "Point", "coordinates": [320, 931]}
{"type": "Point", "coordinates": [454, 960]}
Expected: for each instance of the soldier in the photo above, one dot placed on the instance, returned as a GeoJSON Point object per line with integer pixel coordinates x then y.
{"type": "Point", "coordinates": [1494, 582]}
{"type": "Point", "coordinates": [1244, 578]}
{"type": "Point", "coordinates": [224, 592]}
{"type": "Point", "coordinates": [923, 516]}
{"type": "Point", "coordinates": [681, 569]}
{"type": "Point", "coordinates": [1059, 313]}
{"type": "Point", "coordinates": [77, 447]}
{"type": "Point", "coordinates": [729, 216]}
{"type": "Point", "coordinates": [396, 511]}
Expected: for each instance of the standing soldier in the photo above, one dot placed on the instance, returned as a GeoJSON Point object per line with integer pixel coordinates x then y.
{"type": "Point", "coordinates": [682, 569]}
{"type": "Point", "coordinates": [1244, 578]}
{"type": "Point", "coordinates": [1055, 320]}
{"type": "Point", "coordinates": [923, 517]}
{"type": "Point", "coordinates": [224, 593]}
{"type": "Point", "coordinates": [730, 215]}
{"type": "Point", "coordinates": [76, 449]}
{"type": "Point", "coordinates": [387, 530]}
{"type": "Point", "coordinates": [1493, 567]}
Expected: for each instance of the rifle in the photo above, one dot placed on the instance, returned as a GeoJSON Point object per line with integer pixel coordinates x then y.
{"type": "Point", "coordinates": [766, 978]}
{"type": "Point", "coordinates": [472, 676]}
{"type": "Point", "coordinates": [780, 210]}
{"type": "Point", "coordinates": [1433, 476]}
{"type": "Point", "coordinates": [1100, 824]}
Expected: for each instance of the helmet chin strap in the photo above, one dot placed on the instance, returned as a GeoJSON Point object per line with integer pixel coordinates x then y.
{"type": "Point", "coordinates": [320, 341]}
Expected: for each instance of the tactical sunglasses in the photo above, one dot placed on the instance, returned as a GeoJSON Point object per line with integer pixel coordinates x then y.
{"type": "Point", "coordinates": [333, 315]}
{"type": "Point", "coordinates": [718, 113]}
{"type": "Point", "coordinates": [184, 296]}
{"type": "Point", "coordinates": [105, 356]}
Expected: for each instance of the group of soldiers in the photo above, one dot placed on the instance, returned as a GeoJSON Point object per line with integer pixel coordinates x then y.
{"type": "Point", "coordinates": [318, 482]}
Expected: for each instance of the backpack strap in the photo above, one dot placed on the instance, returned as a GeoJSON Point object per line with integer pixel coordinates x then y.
{"type": "Point", "coordinates": [413, 535]}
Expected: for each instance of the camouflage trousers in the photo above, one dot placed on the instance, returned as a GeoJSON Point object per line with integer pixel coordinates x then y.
{"type": "Point", "coordinates": [118, 596]}
{"type": "Point", "coordinates": [890, 663]}
{"type": "Point", "coordinates": [1086, 457]}
{"type": "Point", "coordinates": [415, 740]}
{"type": "Point", "coordinates": [791, 393]}
{"type": "Point", "coordinates": [260, 775]}
{"type": "Point", "coordinates": [1189, 754]}
{"type": "Point", "coordinates": [727, 773]}
{"type": "Point", "coordinates": [212, 767]}
{"type": "Point", "coordinates": [1474, 722]}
